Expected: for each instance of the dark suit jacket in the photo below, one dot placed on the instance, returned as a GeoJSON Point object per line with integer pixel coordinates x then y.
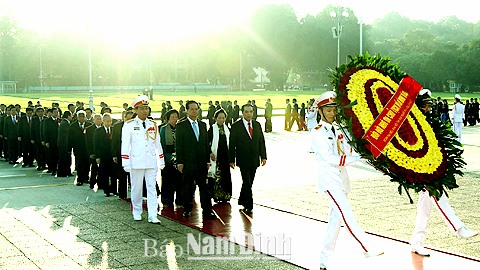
{"type": "Point", "coordinates": [24, 129]}
{"type": "Point", "coordinates": [50, 134]}
{"type": "Point", "coordinates": [35, 130]}
{"type": "Point", "coordinates": [63, 131]}
{"type": "Point", "coordinates": [191, 153]}
{"type": "Point", "coordinates": [247, 151]}
{"type": "Point", "coordinates": [10, 129]}
{"type": "Point", "coordinates": [117, 140]}
{"type": "Point", "coordinates": [89, 133]}
{"type": "Point", "coordinates": [76, 139]}
{"type": "Point", "coordinates": [102, 144]}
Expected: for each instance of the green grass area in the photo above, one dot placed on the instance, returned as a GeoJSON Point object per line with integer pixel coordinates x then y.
{"type": "Point", "coordinates": [116, 100]}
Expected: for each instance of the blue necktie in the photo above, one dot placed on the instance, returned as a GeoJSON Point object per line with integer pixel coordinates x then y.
{"type": "Point", "coordinates": [195, 129]}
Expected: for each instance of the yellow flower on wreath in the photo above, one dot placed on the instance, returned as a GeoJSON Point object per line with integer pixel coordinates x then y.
{"type": "Point", "coordinates": [430, 162]}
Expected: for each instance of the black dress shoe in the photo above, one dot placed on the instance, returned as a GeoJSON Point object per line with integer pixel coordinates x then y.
{"type": "Point", "coordinates": [248, 211]}
{"type": "Point", "coordinates": [187, 214]}
{"type": "Point", "coordinates": [49, 171]}
{"type": "Point", "coordinates": [79, 183]}
{"type": "Point", "coordinates": [107, 194]}
{"type": "Point", "coordinates": [24, 165]}
{"type": "Point", "coordinates": [69, 174]}
{"type": "Point", "coordinates": [31, 165]}
{"type": "Point", "coordinates": [209, 216]}
{"type": "Point", "coordinates": [11, 162]}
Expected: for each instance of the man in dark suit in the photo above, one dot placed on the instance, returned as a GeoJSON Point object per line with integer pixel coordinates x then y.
{"type": "Point", "coordinates": [119, 174]}
{"type": "Point", "coordinates": [3, 113]}
{"type": "Point", "coordinates": [193, 159]}
{"type": "Point", "coordinates": [102, 144]}
{"type": "Point", "coordinates": [64, 152]}
{"type": "Point", "coordinates": [76, 140]}
{"type": "Point", "coordinates": [89, 137]}
{"type": "Point", "coordinates": [229, 113]}
{"type": "Point", "coordinates": [247, 150]}
{"type": "Point", "coordinates": [50, 135]}
{"type": "Point", "coordinates": [181, 110]}
{"type": "Point", "coordinates": [236, 111]}
{"type": "Point", "coordinates": [36, 139]}
{"type": "Point", "coordinates": [211, 113]}
{"type": "Point", "coordinates": [10, 133]}
{"type": "Point", "coordinates": [24, 132]}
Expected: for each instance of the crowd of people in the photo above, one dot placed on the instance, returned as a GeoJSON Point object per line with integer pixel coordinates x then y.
{"type": "Point", "coordinates": [111, 154]}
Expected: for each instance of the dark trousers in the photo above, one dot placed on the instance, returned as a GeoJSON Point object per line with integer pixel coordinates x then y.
{"type": "Point", "coordinates": [5, 149]}
{"type": "Point", "coordinates": [105, 174]}
{"type": "Point", "coordinates": [171, 183]}
{"type": "Point", "coordinates": [2, 154]}
{"type": "Point", "coordinates": [246, 195]}
{"type": "Point", "coordinates": [28, 151]}
{"type": "Point", "coordinates": [52, 153]}
{"type": "Point", "coordinates": [40, 156]}
{"type": "Point", "coordinates": [93, 172]}
{"type": "Point", "coordinates": [64, 162]}
{"type": "Point", "coordinates": [82, 164]}
{"type": "Point", "coordinates": [120, 182]}
{"type": "Point", "coordinates": [13, 149]}
{"type": "Point", "coordinates": [268, 124]}
{"type": "Point", "coordinates": [189, 179]}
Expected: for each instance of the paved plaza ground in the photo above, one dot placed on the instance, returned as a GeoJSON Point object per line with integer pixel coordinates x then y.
{"type": "Point", "coordinates": [48, 223]}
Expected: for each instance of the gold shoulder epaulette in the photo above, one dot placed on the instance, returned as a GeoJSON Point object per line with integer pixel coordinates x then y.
{"type": "Point", "coordinates": [128, 121]}
{"type": "Point", "coordinates": [317, 127]}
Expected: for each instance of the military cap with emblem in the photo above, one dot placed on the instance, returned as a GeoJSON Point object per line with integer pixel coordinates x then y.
{"type": "Point", "coordinates": [141, 100]}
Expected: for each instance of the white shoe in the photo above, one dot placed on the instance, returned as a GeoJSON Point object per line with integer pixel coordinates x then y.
{"type": "Point", "coordinates": [137, 217]}
{"type": "Point", "coordinates": [419, 249]}
{"type": "Point", "coordinates": [153, 220]}
{"type": "Point", "coordinates": [373, 253]}
{"type": "Point", "coordinates": [464, 232]}
{"type": "Point", "coordinates": [323, 266]}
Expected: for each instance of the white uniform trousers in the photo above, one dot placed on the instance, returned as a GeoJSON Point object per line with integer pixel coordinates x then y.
{"type": "Point", "coordinates": [457, 127]}
{"type": "Point", "coordinates": [136, 177]}
{"type": "Point", "coordinates": [341, 213]}
{"type": "Point", "coordinates": [424, 207]}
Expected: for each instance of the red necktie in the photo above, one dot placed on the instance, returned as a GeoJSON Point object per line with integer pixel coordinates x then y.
{"type": "Point", "coordinates": [250, 130]}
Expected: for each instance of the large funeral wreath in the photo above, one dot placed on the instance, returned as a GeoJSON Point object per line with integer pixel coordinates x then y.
{"type": "Point", "coordinates": [423, 154]}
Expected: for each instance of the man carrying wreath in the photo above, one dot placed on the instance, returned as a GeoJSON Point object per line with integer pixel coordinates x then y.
{"type": "Point", "coordinates": [333, 153]}
{"type": "Point", "coordinates": [425, 201]}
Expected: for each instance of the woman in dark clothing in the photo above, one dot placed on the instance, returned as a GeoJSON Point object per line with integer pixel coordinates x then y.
{"type": "Point", "coordinates": [445, 109]}
{"type": "Point", "coordinates": [219, 172]}
{"type": "Point", "coordinates": [171, 177]}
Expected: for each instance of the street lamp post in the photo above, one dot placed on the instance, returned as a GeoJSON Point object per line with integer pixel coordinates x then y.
{"type": "Point", "coordinates": [41, 73]}
{"type": "Point", "coordinates": [339, 13]}
{"type": "Point", "coordinates": [90, 89]}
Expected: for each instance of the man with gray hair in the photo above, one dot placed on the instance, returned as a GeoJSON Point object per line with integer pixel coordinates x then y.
{"type": "Point", "coordinates": [89, 132]}
{"type": "Point", "coordinates": [76, 140]}
{"type": "Point", "coordinates": [102, 144]}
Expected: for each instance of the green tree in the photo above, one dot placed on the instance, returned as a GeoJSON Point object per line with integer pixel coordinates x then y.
{"type": "Point", "coordinates": [273, 40]}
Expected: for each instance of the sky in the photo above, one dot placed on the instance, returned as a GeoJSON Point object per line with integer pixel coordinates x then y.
{"type": "Point", "coordinates": [127, 20]}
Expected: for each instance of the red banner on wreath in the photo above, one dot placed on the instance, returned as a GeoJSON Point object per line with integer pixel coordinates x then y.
{"type": "Point", "coordinates": [392, 117]}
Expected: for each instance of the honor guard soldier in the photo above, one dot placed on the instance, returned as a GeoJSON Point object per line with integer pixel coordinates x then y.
{"type": "Point", "coordinates": [332, 154]}
{"type": "Point", "coordinates": [142, 156]}
{"type": "Point", "coordinates": [426, 202]}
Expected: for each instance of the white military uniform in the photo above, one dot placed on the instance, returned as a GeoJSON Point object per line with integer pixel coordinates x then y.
{"type": "Point", "coordinates": [458, 111]}
{"type": "Point", "coordinates": [424, 207]}
{"type": "Point", "coordinates": [312, 118]}
{"type": "Point", "coordinates": [142, 156]}
{"type": "Point", "coordinates": [311, 121]}
{"type": "Point", "coordinates": [333, 153]}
